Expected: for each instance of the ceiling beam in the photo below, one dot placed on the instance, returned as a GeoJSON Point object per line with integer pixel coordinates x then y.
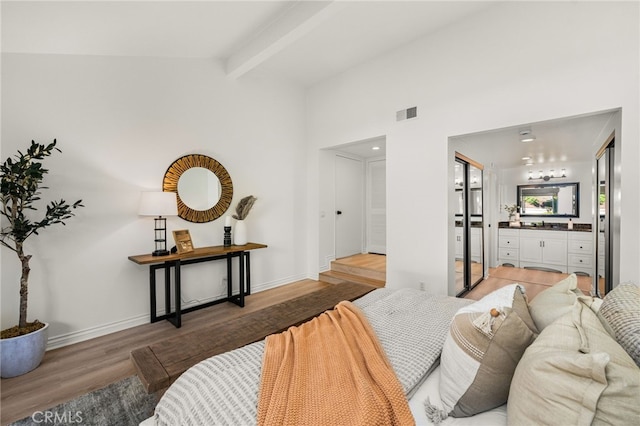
{"type": "Point", "coordinates": [298, 21]}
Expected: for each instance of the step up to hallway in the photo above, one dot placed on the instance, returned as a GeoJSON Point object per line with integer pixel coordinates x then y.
{"type": "Point", "coordinates": [334, 277]}
{"type": "Point", "coordinates": [365, 269]}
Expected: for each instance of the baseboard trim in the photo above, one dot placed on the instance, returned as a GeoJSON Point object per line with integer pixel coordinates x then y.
{"type": "Point", "coordinates": [56, 342]}
{"type": "Point", "coordinates": [327, 263]}
{"type": "Point", "coordinates": [67, 339]}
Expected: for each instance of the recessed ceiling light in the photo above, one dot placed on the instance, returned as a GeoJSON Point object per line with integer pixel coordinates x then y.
{"type": "Point", "coordinates": [526, 135]}
{"type": "Point", "coordinates": [375, 148]}
{"type": "Point", "coordinates": [526, 158]}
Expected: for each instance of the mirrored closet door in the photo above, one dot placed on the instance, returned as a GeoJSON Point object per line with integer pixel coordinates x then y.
{"type": "Point", "coordinates": [605, 160]}
{"type": "Point", "coordinates": [469, 224]}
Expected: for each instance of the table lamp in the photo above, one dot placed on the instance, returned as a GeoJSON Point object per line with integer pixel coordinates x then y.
{"type": "Point", "coordinates": [159, 204]}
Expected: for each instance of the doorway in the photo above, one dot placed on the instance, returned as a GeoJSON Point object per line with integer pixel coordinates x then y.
{"type": "Point", "coordinates": [519, 155]}
{"type": "Point", "coordinates": [353, 200]}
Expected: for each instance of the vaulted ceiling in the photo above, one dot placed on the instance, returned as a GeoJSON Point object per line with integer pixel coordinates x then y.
{"type": "Point", "coordinates": [305, 41]}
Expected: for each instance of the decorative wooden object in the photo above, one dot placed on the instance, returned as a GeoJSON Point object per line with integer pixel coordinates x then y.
{"type": "Point", "coordinates": [160, 363]}
{"type": "Point", "coordinates": [181, 165]}
{"type": "Point", "coordinates": [183, 240]}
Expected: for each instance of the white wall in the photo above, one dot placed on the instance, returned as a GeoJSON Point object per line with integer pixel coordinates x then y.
{"type": "Point", "coordinates": [514, 63]}
{"type": "Point", "coordinates": [120, 123]}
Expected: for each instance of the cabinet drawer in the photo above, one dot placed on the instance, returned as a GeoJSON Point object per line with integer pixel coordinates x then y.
{"type": "Point", "coordinates": [580, 236]}
{"type": "Point", "coordinates": [580, 247]}
{"type": "Point", "coordinates": [508, 254]}
{"type": "Point", "coordinates": [508, 242]}
{"type": "Point", "coordinates": [580, 260]}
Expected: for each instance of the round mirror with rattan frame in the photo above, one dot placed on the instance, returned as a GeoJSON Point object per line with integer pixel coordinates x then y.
{"type": "Point", "coordinates": [181, 165]}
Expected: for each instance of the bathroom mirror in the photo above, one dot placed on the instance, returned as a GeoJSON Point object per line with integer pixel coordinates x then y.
{"type": "Point", "coordinates": [203, 185]}
{"type": "Point", "coordinates": [549, 199]}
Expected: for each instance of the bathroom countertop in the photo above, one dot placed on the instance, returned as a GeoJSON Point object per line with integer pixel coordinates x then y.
{"type": "Point", "coordinates": [548, 226]}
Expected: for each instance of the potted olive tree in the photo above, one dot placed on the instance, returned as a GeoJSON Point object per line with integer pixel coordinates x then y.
{"type": "Point", "coordinates": [23, 346]}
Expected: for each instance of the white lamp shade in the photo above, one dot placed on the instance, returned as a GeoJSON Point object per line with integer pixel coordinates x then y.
{"type": "Point", "coordinates": [158, 204]}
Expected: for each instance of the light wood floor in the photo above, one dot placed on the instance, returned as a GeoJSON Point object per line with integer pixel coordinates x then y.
{"type": "Point", "coordinates": [74, 370]}
{"type": "Point", "coordinates": [533, 281]}
{"type": "Point", "coordinates": [377, 262]}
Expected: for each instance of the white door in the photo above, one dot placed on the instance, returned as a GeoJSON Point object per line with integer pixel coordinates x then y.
{"type": "Point", "coordinates": [377, 207]}
{"type": "Point", "coordinates": [349, 206]}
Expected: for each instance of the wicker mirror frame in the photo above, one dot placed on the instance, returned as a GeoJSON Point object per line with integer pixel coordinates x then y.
{"type": "Point", "coordinates": [181, 165]}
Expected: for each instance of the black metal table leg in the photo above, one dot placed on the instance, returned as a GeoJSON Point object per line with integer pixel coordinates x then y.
{"type": "Point", "coordinates": [229, 277]}
{"type": "Point", "coordinates": [178, 301]}
{"type": "Point", "coordinates": [241, 285]}
{"type": "Point", "coordinates": [248, 272]}
{"type": "Point", "coordinates": [152, 292]}
{"type": "Point", "coordinates": [167, 288]}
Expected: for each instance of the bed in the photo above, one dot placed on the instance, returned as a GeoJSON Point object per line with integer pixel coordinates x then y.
{"type": "Point", "coordinates": [415, 330]}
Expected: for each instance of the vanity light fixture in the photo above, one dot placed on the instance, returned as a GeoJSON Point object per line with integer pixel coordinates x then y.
{"type": "Point", "coordinates": [548, 176]}
{"type": "Point", "coordinates": [159, 204]}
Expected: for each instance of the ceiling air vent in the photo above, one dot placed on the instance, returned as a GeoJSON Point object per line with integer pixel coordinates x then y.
{"type": "Point", "coordinates": [407, 113]}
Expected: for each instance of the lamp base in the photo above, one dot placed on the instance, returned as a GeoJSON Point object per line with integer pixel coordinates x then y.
{"type": "Point", "coordinates": [160, 253]}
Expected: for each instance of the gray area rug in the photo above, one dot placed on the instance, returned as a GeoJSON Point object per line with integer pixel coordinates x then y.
{"type": "Point", "coordinates": [122, 403]}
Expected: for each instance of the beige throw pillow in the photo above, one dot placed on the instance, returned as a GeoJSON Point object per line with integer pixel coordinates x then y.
{"type": "Point", "coordinates": [621, 312]}
{"type": "Point", "coordinates": [481, 352]}
{"type": "Point", "coordinates": [554, 302]}
{"type": "Point", "coordinates": [575, 373]}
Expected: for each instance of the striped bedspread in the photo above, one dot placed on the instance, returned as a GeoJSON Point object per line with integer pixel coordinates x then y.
{"type": "Point", "coordinates": [223, 390]}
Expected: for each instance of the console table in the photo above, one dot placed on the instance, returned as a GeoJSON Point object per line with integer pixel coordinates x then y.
{"type": "Point", "coordinates": [199, 255]}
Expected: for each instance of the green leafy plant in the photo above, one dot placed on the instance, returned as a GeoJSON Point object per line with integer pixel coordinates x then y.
{"type": "Point", "coordinates": [511, 209]}
{"type": "Point", "coordinates": [20, 181]}
{"type": "Point", "coordinates": [244, 207]}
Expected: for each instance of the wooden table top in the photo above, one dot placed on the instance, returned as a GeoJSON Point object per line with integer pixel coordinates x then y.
{"type": "Point", "coordinates": [147, 259]}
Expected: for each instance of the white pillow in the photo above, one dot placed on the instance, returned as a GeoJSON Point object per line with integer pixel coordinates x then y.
{"type": "Point", "coordinates": [481, 352]}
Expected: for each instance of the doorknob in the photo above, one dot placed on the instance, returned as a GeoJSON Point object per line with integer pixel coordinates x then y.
{"type": "Point", "coordinates": [339, 212]}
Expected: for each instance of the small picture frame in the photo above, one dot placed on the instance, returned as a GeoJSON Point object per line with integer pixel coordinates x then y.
{"type": "Point", "coordinates": [183, 240]}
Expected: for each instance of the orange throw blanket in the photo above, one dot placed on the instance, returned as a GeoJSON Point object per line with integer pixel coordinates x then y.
{"type": "Point", "coordinates": [330, 371]}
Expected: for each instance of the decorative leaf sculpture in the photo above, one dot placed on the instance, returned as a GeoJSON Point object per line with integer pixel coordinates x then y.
{"type": "Point", "coordinates": [244, 207]}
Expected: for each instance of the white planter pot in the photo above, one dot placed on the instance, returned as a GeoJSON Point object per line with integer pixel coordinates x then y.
{"type": "Point", "coordinates": [21, 354]}
{"type": "Point", "coordinates": [240, 233]}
